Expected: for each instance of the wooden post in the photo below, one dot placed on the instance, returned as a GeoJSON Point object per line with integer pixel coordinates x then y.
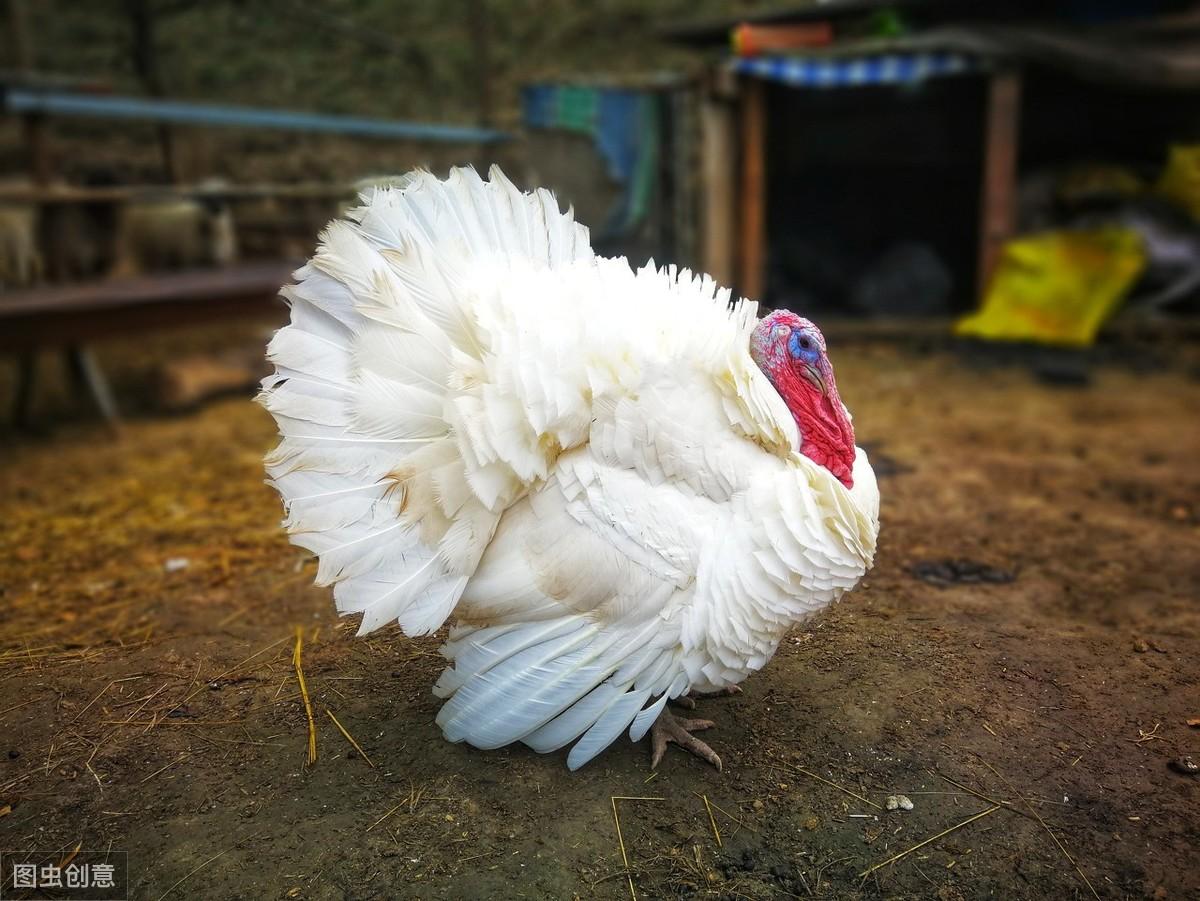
{"type": "Point", "coordinates": [145, 64]}
{"type": "Point", "coordinates": [33, 125]}
{"type": "Point", "coordinates": [997, 207]}
{"type": "Point", "coordinates": [479, 30]}
{"type": "Point", "coordinates": [718, 171]}
{"type": "Point", "coordinates": [752, 251]}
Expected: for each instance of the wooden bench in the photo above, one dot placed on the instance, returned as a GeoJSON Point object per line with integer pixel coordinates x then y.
{"type": "Point", "coordinates": [72, 316]}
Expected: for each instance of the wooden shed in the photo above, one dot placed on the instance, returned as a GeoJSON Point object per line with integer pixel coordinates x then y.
{"type": "Point", "coordinates": [890, 139]}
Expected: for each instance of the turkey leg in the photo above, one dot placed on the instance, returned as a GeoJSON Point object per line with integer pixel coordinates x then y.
{"type": "Point", "coordinates": [669, 730]}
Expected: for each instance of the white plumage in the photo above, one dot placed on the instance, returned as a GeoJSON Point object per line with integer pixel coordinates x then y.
{"type": "Point", "coordinates": [579, 463]}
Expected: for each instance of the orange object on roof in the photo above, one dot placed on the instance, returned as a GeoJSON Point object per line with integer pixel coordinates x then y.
{"type": "Point", "coordinates": [751, 40]}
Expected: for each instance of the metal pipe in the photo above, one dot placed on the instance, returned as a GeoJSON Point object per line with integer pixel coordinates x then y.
{"type": "Point", "coordinates": [56, 103]}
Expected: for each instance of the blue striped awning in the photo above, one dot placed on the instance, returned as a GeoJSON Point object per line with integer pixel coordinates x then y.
{"type": "Point", "coordinates": [845, 72]}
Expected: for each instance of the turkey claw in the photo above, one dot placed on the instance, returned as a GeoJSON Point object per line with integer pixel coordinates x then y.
{"type": "Point", "coordinates": [669, 730]}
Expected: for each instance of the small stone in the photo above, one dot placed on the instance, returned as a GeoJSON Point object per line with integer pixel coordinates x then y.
{"type": "Point", "coordinates": [758, 805]}
{"type": "Point", "coordinates": [898, 802]}
{"type": "Point", "coordinates": [14, 754]}
{"type": "Point", "coordinates": [1140, 646]}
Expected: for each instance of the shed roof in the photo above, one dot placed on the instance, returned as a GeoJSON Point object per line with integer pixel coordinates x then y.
{"type": "Point", "coordinates": [1137, 51]}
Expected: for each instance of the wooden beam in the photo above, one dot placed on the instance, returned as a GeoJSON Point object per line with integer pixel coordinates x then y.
{"type": "Point", "coordinates": [997, 206]}
{"type": "Point", "coordinates": [69, 195]}
{"type": "Point", "coordinates": [752, 222]}
{"type": "Point", "coordinates": [77, 313]}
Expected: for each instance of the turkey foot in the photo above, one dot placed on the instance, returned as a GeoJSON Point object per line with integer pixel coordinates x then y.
{"type": "Point", "coordinates": [688, 701]}
{"type": "Point", "coordinates": [667, 729]}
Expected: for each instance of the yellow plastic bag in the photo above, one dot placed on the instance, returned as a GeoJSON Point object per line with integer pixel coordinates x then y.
{"type": "Point", "coordinates": [1180, 181]}
{"type": "Point", "coordinates": [1057, 287]}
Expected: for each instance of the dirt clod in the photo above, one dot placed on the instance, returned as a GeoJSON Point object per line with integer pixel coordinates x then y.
{"type": "Point", "coordinates": [1185, 766]}
{"type": "Point", "coordinates": [944, 573]}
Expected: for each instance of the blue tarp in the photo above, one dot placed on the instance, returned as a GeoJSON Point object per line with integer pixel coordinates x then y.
{"type": "Point", "coordinates": [624, 127]}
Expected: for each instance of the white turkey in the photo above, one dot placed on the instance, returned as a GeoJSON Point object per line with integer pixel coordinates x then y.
{"type": "Point", "coordinates": [621, 490]}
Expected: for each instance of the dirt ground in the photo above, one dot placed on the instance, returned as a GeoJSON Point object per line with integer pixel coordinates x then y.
{"type": "Point", "coordinates": [149, 702]}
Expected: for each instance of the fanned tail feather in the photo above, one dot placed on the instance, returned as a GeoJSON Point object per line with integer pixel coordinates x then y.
{"type": "Point", "coordinates": [371, 477]}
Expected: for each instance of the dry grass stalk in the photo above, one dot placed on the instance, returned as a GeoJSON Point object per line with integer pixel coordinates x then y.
{"type": "Point", "coordinates": [222, 675]}
{"type": "Point", "coordinates": [621, 844]}
{"type": "Point", "coordinates": [1144, 736]}
{"type": "Point", "coordinates": [847, 791]}
{"type": "Point", "coordinates": [19, 706]}
{"type": "Point", "coordinates": [933, 838]}
{"type": "Point", "coordinates": [100, 694]}
{"type": "Point", "coordinates": [717, 807]}
{"type": "Point", "coordinates": [192, 872]}
{"type": "Point", "coordinates": [95, 776]}
{"type": "Point", "coordinates": [180, 759]}
{"type": "Point", "coordinates": [621, 838]}
{"type": "Point", "coordinates": [386, 815]}
{"type": "Point", "coordinates": [1007, 805]}
{"type": "Point", "coordinates": [70, 856]}
{"type": "Point", "coordinates": [350, 738]}
{"type": "Point", "coordinates": [1049, 831]}
{"type": "Point", "coordinates": [161, 722]}
{"type": "Point", "coordinates": [125, 722]}
{"type": "Point", "coordinates": [712, 821]}
{"type": "Point", "coordinates": [312, 726]}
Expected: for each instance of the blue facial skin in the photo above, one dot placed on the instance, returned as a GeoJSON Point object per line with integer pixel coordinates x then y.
{"type": "Point", "coordinates": [809, 354]}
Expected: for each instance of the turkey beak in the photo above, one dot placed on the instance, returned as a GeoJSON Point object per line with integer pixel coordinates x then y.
{"type": "Point", "coordinates": [812, 374]}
